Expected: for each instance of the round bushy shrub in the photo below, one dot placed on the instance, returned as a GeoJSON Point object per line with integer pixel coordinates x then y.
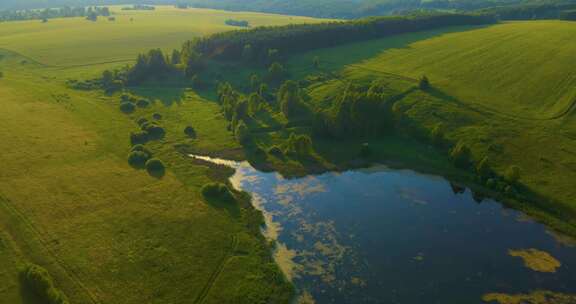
{"type": "Point", "coordinates": [140, 137]}
{"type": "Point", "coordinates": [156, 116]}
{"type": "Point", "coordinates": [127, 107]}
{"type": "Point", "coordinates": [217, 191]}
{"type": "Point", "coordinates": [155, 166]}
{"type": "Point", "coordinates": [189, 130]}
{"type": "Point", "coordinates": [138, 158]}
{"type": "Point", "coordinates": [365, 150]}
{"type": "Point", "coordinates": [143, 103]}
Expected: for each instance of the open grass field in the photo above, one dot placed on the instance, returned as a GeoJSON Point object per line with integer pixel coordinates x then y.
{"type": "Point", "coordinates": [69, 201]}
{"type": "Point", "coordinates": [507, 91]}
{"type": "Point", "coordinates": [70, 42]}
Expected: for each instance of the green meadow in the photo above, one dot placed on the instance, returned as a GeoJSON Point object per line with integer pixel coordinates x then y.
{"type": "Point", "coordinates": [70, 202]}
{"type": "Point", "coordinates": [507, 91]}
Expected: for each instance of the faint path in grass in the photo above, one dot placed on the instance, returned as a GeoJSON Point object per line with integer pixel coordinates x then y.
{"type": "Point", "coordinates": [214, 276]}
{"type": "Point", "coordinates": [73, 275]}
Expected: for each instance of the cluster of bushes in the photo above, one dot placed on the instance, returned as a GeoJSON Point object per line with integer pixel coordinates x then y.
{"type": "Point", "coordinates": [140, 157]}
{"type": "Point", "coordinates": [155, 66]}
{"type": "Point", "coordinates": [357, 111]}
{"type": "Point", "coordinates": [45, 14]}
{"type": "Point", "coordinates": [149, 130]}
{"type": "Point", "coordinates": [240, 23]}
{"type": "Point", "coordinates": [217, 191]}
{"type": "Point", "coordinates": [530, 11]}
{"type": "Point", "coordinates": [38, 280]}
{"type": "Point", "coordinates": [128, 103]}
{"type": "Point", "coordinates": [302, 37]}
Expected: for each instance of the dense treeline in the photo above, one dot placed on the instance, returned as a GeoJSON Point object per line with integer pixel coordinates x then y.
{"type": "Point", "coordinates": [568, 15]}
{"type": "Point", "coordinates": [257, 43]}
{"type": "Point", "coordinates": [530, 12]}
{"type": "Point", "coordinates": [240, 23]}
{"type": "Point", "coordinates": [45, 14]}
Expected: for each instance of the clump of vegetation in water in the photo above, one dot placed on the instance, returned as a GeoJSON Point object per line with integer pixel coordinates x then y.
{"type": "Point", "coordinates": [537, 260]}
{"type": "Point", "coordinates": [37, 279]}
{"type": "Point", "coordinates": [536, 297]}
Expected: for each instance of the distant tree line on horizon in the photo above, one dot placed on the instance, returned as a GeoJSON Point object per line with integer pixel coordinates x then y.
{"type": "Point", "coordinates": [49, 13]}
{"type": "Point", "coordinates": [139, 7]}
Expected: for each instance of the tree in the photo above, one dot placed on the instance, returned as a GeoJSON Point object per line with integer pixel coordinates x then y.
{"type": "Point", "coordinates": [176, 57]}
{"type": "Point", "coordinates": [254, 82]}
{"type": "Point", "coordinates": [512, 174]}
{"type": "Point", "coordinates": [424, 83]}
{"type": "Point", "coordinates": [437, 135]}
{"type": "Point", "coordinates": [242, 133]}
{"type": "Point", "coordinates": [316, 62]}
{"type": "Point", "coordinates": [299, 145]}
{"type": "Point", "coordinates": [289, 98]}
{"type": "Point", "coordinates": [483, 169]}
{"type": "Point", "coordinates": [247, 53]}
{"type": "Point", "coordinates": [460, 155]}
{"type": "Point", "coordinates": [275, 72]}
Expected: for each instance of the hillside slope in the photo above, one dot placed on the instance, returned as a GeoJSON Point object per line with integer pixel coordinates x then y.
{"type": "Point", "coordinates": [507, 91]}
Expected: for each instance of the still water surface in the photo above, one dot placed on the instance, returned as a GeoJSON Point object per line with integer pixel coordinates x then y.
{"type": "Point", "coordinates": [382, 235]}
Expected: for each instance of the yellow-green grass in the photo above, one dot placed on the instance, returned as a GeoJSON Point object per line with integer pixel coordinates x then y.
{"type": "Point", "coordinates": [505, 90]}
{"type": "Point", "coordinates": [76, 41]}
{"type": "Point", "coordinates": [70, 202]}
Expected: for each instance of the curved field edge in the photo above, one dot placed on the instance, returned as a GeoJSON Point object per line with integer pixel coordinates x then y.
{"type": "Point", "coordinates": [91, 219]}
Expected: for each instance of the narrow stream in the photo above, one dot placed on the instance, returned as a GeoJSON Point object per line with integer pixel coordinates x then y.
{"type": "Point", "coordinates": [382, 235]}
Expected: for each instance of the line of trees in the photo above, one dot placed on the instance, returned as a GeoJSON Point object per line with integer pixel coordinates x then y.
{"type": "Point", "coordinates": [530, 11]}
{"type": "Point", "coordinates": [302, 37]}
{"type": "Point", "coordinates": [45, 14]}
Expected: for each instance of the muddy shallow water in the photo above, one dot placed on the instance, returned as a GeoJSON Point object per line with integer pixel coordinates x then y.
{"type": "Point", "coordinates": [382, 235]}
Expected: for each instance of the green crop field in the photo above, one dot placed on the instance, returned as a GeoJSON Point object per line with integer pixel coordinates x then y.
{"type": "Point", "coordinates": [69, 201]}
{"type": "Point", "coordinates": [508, 91]}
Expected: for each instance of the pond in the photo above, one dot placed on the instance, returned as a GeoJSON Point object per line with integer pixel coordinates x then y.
{"type": "Point", "coordinates": [383, 235]}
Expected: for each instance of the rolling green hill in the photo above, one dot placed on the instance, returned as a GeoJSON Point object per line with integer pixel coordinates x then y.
{"type": "Point", "coordinates": [508, 91]}
{"type": "Point", "coordinates": [69, 200]}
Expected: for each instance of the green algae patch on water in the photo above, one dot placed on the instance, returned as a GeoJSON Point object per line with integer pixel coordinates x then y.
{"type": "Point", "coordinates": [536, 260]}
{"type": "Point", "coordinates": [536, 297]}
